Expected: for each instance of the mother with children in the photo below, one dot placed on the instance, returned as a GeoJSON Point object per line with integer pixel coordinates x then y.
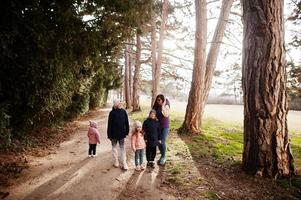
{"type": "Point", "coordinates": [146, 136]}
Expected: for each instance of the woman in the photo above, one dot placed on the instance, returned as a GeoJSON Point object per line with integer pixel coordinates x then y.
{"type": "Point", "coordinates": [118, 129]}
{"type": "Point", "coordinates": [162, 107]}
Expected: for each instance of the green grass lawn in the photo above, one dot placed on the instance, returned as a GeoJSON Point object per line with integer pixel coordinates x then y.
{"type": "Point", "coordinates": [221, 140]}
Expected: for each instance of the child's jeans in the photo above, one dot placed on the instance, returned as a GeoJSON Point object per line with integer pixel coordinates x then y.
{"type": "Point", "coordinates": [92, 149]}
{"type": "Point", "coordinates": [139, 153]}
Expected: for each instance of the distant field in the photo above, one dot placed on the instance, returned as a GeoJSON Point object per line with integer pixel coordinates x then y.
{"type": "Point", "coordinates": [231, 113]}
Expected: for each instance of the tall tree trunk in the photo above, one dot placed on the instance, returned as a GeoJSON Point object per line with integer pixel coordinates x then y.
{"type": "Point", "coordinates": [131, 72]}
{"type": "Point", "coordinates": [126, 77]}
{"type": "Point", "coordinates": [136, 81]}
{"type": "Point", "coordinates": [214, 51]}
{"type": "Point", "coordinates": [157, 57]}
{"type": "Point", "coordinates": [191, 121]}
{"type": "Point", "coordinates": [266, 142]}
{"type": "Point", "coordinates": [153, 57]}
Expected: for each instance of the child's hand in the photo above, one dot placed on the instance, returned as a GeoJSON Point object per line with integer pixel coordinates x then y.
{"type": "Point", "coordinates": [160, 141]}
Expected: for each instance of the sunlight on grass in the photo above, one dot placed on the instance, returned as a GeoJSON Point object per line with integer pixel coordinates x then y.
{"type": "Point", "coordinates": [221, 140]}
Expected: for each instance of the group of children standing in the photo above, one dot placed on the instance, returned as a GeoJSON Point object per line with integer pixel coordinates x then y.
{"type": "Point", "coordinates": [146, 136]}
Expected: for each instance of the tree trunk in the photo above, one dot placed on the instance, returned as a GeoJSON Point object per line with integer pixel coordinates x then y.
{"type": "Point", "coordinates": [214, 51]}
{"type": "Point", "coordinates": [191, 121]}
{"type": "Point", "coordinates": [126, 78]}
{"type": "Point", "coordinates": [131, 73]}
{"type": "Point", "coordinates": [266, 142]}
{"type": "Point", "coordinates": [136, 81]}
{"type": "Point", "coordinates": [153, 57]}
{"type": "Point", "coordinates": [157, 57]}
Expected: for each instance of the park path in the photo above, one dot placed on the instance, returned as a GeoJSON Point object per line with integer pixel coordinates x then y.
{"type": "Point", "coordinates": [69, 174]}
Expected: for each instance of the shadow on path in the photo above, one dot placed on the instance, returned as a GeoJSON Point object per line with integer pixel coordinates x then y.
{"type": "Point", "coordinates": [56, 183]}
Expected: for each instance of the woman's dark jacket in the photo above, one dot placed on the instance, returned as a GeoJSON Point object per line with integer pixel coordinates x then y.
{"type": "Point", "coordinates": [152, 135]}
{"type": "Point", "coordinates": [118, 124]}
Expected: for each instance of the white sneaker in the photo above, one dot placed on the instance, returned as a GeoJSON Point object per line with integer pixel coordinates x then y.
{"type": "Point", "coordinates": [89, 156]}
{"type": "Point", "coordinates": [116, 164]}
{"type": "Point", "coordinates": [142, 167]}
{"type": "Point", "coordinates": [93, 156]}
{"type": "Point", "coordinates": [125, 167]}
{"type": "Point", "coordinates": [137, 168]}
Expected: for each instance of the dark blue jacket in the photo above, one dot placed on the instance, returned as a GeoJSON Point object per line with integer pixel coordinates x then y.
{"type": "Point", "coordinates": [152, 135]}
{"type": "Point", "coordinates": [118, 124]}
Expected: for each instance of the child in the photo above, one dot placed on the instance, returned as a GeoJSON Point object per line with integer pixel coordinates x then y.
{"type": "Point", "coordinates": [93, 136]}
{"type": "Point", "coordinates": [138, 145]}
{"type": "Point", "coordinates": [151, 127]}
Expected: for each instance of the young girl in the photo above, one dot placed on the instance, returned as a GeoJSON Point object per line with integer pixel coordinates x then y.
{"type": "Point", "coordinates": [138, 145]}
{"type": "Point", "coordinates": [151, 127]}
{"type": "Point", "coordinates": [93, 136]}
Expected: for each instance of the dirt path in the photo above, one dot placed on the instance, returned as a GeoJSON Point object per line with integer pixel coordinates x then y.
{"type": "Point", "coordinates": [70, 174]}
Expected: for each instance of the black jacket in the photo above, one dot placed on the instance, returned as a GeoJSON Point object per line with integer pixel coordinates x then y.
{"type": "Point", "coordinates": [152, 135]}
{"type": "Point", "coordinates": [118, 124]}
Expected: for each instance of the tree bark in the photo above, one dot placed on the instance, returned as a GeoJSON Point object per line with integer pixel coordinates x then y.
{"type": "Point", "coordinates": [214, 51]}
{"type": "Point", "coordinates": [127, 78]}
{"type": "Point", "coordinates": [136, 81]}
{"type": "Point", "coordinates": [266, 142]}
{"type": "Point", "coordinates": [153, 57]}
{"type": "Point", "coordinates": [191, 121]}
{"type": "Point", "coordinates": [131, 72]}
{"type": "Point", "coordinates": [157, 61]}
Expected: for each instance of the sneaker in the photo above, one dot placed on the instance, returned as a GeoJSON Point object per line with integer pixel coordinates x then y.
{"type": "Point", "coordinates": [125, 167]}
{"type": "Point", "coordinates": [89, 156]}
{"type": "Point", "coordinates": [161, 161]}
{"type": "Point", "coordinates": [148, 164]}
{"type": "Point", "coordinates": [93, 156]}
{"type": "Point", "coordinates": [142, 167]}
{"type": "Point", "coordinates": [152, 164]}
{"type": "Point", "coordinates": [116, 164]}
{"type": "Point", "coordinates": [137, 168]}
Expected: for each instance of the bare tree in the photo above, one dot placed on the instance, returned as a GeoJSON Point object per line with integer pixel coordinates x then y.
{"type": "Point", "coordinates": [193, 109]}
{"type": "Point", "coordinates": [127, 77]}
{"type": "Point", "coordinates": [266, 142]}
{"type": "Point", "coordinates": [157, 56]}
{"type": "Point", "coordinates": [136, 80]}
{"type": "Point", "coordinates": [214, 51]}
{"type": "Point", "coordinates": [203, 69]}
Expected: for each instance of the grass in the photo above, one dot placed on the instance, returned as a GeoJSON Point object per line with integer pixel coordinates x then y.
{"type": "Point", "coordinates": [220, 141]}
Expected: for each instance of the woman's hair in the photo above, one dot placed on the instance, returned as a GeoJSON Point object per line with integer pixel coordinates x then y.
{"type": "Point", "coordinates": [156, 105]}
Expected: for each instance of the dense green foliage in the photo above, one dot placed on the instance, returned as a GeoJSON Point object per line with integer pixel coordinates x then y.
{"type": "Point", "coordinates": [58, 58]}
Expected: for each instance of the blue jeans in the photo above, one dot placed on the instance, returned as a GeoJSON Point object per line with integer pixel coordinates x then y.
{"type": "Point", "coordinates": [163, 146]}
{"type": "Point", "coordinates": [139, 154]}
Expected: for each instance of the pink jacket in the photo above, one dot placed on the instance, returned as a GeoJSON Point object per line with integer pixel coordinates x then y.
{"type": "Point", "coordinates": [138, 141]}
{"type": "Point", "coordinates": [93, 134]}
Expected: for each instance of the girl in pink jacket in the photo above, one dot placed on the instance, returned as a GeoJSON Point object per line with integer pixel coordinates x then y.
{"type": "Point", "coordinates": [138, 145]}
{"type": "Point", "coordinates": [93, 136]}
